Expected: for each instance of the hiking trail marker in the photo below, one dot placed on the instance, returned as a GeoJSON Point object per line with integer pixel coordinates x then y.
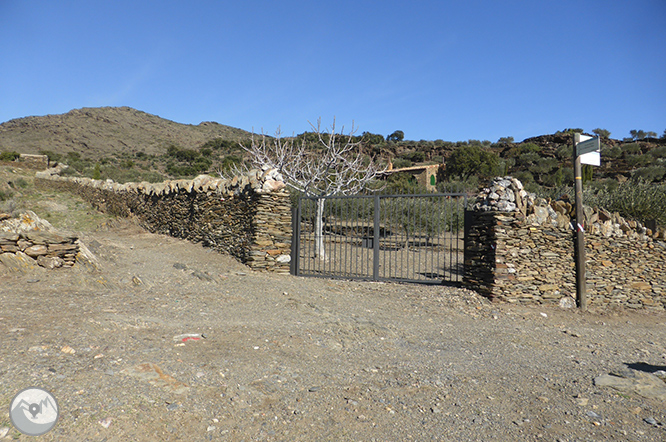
{"type": "Point", "coordinates": [586, 150]}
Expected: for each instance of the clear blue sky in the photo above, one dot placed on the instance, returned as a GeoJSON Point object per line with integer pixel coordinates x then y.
{"type": "Point", "coordinates": [452, 70]}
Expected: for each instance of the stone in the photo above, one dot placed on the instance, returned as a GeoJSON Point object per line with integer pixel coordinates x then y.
{"type": "Point", "coordinates": [68, 350]}
{"type": "Point", "coordinates": [634, 381]}
{"type": "Point", "coordinates": [271, 185]}
{"type": "Point", "coordinates": [567, 302]}
{"type": "Point", "coordinates": [47, 238]}
{"type": "Point", "coordinates": [17, 262]}
{"type": "Point", "coordinates": [36, 250]}
{"type": "Point", "coordinates": [541, 214]}
{"type": "Point", "coordinates": [582, 401]}
{"type": "Point", "coordinates": [9, 237]}
{"type": "Point", "coordinates": [548, 287]}
{"type": "Point", "coordinates": [50, 263]}
{"type": "Point", "coordinates": [604, 215]}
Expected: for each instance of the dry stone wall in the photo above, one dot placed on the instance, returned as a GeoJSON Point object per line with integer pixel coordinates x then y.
{"type": "Point", "coordinates": [25, 241]}
{"type": "Point", "coordinates": [34, 161]}
{"type": "Point", "coordinates": [248, 217]}
{"type": "Point", "coordinates": [519, 248]}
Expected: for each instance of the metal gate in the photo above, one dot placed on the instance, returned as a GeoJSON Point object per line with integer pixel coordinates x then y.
{"type": "Point", "coordinates": [412, 238]}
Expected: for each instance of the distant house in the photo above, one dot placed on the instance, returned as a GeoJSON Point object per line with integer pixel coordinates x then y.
{"type": "Point", "coordinates": [426, 175]}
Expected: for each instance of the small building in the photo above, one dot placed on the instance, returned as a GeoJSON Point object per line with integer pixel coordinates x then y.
{"type": "Point", "coordinates": [426, 175]}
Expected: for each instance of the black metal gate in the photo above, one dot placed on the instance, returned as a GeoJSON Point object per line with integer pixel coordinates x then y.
{"type": "Point", "coordinates": [413, 238]}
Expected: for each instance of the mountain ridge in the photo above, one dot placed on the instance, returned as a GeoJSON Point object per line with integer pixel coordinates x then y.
{"type": "Point", "coordinates": [96, 132]}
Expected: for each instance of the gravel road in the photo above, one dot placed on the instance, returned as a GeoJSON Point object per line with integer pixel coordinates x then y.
{"type": "Point", "coordinates": [279, 358]}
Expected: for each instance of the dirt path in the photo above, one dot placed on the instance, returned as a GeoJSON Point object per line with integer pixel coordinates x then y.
{"type": "Point", "coordinates": [285, 358]}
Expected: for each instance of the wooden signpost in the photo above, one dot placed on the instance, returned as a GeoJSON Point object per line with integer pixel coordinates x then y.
{"type": "Point", "coordinates": [586, 150]}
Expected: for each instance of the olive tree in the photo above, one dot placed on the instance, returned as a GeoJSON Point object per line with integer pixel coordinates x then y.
{"type": "Point", "coordinates": [601, 133]}
{"type": "Point", "coordinates": [468, 160]}
{"type": "Point", "coordinates": [330, 164]}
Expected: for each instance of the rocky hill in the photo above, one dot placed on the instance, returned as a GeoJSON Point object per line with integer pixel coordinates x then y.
{"type": "Point", "coordinates": [126, 144]}
{"type": "Point", "coordinates": [544, 155]}
{"type": "Point", "coordinates": [98, 132]}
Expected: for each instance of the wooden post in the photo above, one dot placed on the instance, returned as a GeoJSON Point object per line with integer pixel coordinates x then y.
{"type": "Point", "coordinates": [579, 243]}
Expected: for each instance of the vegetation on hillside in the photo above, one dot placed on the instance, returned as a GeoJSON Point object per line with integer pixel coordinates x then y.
{"type": "Point", "coordinates": [124, 144]}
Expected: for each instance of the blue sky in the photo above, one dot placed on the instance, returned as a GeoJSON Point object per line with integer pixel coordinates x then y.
{"type": "Point", "coordinates": [451, 70]}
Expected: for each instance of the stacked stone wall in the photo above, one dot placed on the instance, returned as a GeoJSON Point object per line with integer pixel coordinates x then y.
{"type": "Point", "coordinates": [521, 251]}
{"type": "Point", "coordinates": [46, 249]}
{"type": "Point", "coordinates": [34, 161]}
{"type": "Point", "coordinates": [248, 217]}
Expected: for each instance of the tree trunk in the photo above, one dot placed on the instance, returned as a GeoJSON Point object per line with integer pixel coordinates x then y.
{"type": "Point", "coordinates": [319, 230]}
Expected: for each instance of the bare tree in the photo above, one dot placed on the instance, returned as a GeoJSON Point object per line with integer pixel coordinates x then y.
{"type": "Point", "coordinates": [332, 165]}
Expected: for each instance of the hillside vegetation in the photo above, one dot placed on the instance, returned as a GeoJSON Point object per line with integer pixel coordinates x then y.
{"type": "Point", "coordinates": [118, 142]}
{"type": "Point", "coordinates": [125, 144]}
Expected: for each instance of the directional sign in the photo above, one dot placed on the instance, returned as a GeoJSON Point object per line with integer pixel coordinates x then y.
{"type": "Point", "coordinates": [587, 146]}
{"type": "Point", "coordinates": [591, 158]}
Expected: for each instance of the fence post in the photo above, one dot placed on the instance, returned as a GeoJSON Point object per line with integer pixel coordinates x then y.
{"type": "Point", "coordinates": [375, 242]}
{"type": "Point", "coordinates": [295, 237]}
{"type": "Point", "coordinates": [579, 235]}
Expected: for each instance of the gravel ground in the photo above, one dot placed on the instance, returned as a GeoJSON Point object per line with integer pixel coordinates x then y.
{"type": "Point", "coordinates": [286, 358]}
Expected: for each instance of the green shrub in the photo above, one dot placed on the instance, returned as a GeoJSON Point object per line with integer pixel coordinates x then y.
{"type": "Point", "coordinates": [528, 158]}
{"type": "Point", "coordinates": [639, 160]}
{"type": "Point", "coordinates": [127, 164]}
{"type": "Point", "coordinates": [427, 217]}
{"type": "Point", "coordinates": [544, 165]}
{"type": "Point", "coordinates": [97, 174]}
{"type": "Point", "coordinates": [631, 149]}
{"type": "Point", "coordinates": [5, 195]}
{"type": "Point", "coordinates": [414, 157]}
{"type": "Point", "coordinates": [131, 175]}
{"type": "Point", "coordinates": [602, 133]}
{"type": "Point", "coordinates": [467, 160]}
{"type": "Point", "coordinates": [230, 162]}
{"type": "Point", "coordinates": [528, 147]}
{"type": "Point", "coordinates": [53, 157]}
{"type": "Point", "coordinates": [564, 152]}
{"type": "Point", "coordinates": [9, 156]}
{"type": "Point", "coordinates": [224, 145]}
{"type": "Point", "coordinates": [524, 176]}
{"type": "Point", "coordinates": [399, 163]}
{"type": "Point", "coordinates": [182, 154]}
{"type": "Point", "coordinates": [555, 178]}
{"type": "Point", "coordinates": [73, 156]}
{"type": "Point", "coordinates": [639, 200]}
{"type": "Point", "coordinates": [69, 171]}
{"type": "Point", "coordinates": [659, 152]}
{"type": "Point", "coordinates": [607, 184]}
{"type": "Point", "coordinates": [505, 140]}
{"type": "Point", "coordinates": [649, 174]}
{"type": "Point", "coordinates": [470, 185]}
{"type": "Point", "coordinates": [402, 183]}
{"type": "Point", "coordinates": [612, 152]}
